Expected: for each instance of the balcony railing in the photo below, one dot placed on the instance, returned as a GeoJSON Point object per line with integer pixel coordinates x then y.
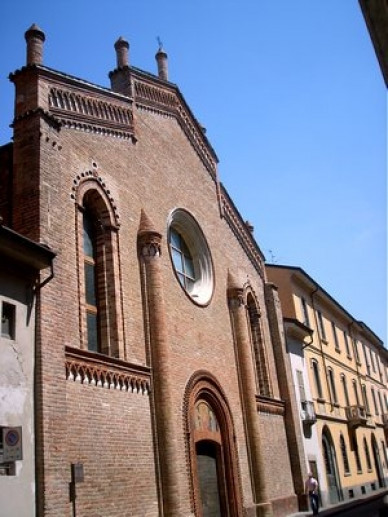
{"type": "Point", "coordinates": [356, 416]}
{"type": "Point", "coordinates": [308, 412]}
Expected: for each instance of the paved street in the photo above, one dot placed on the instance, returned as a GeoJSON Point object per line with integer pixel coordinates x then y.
{"type": "Point", "coordinates": [372, 506]}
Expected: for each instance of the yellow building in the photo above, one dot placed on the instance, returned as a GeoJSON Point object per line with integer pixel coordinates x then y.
{"type": "Point", "coordinates": [340, 373]}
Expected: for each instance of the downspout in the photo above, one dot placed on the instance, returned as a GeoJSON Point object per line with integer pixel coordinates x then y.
{"type": "Point", "coordinates": [321, 348]}
{"type": "Point", "coordinates": [38, 439]}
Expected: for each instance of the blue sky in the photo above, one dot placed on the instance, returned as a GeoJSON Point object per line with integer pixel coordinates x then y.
{"type": "Point", "coordinates": [294, 104]}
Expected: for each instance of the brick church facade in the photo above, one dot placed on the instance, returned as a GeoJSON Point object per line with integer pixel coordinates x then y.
{"type": "Point", "coordinates": [161, 377]}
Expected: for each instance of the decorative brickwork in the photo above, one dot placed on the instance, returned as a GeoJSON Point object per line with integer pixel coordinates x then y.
{"type": "Point", "coordinates": [90, 369]}
{"type": "Point", "coordinates": [86, 113]}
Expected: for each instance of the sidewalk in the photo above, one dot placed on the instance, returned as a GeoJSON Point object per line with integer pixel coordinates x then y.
{"type": "Point", "coordinates": [346, 506]}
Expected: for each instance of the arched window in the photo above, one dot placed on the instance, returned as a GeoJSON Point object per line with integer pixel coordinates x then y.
{"type": "Point", "coordinates": [357, 455]}
{"type": "Point", "coordinates": [317, 379]}
{"type": "Point", "coordinates": [367, 455]}
{"type": "Point", "coordinates": [261, 360]}
{"type": "Point", "coordinates": [99, 279]}
{"type": "Point", "coordinates": [345, 389]}
{"type": "Point", "coordinates": [92, 296]}
{"type": "Point", "coordinates": [344, 453]}
{"type": "Point", "coordinates": [333, 390]}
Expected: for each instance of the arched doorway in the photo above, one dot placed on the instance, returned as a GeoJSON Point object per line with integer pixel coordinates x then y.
{"type": "Point", "coordinates": [212, 453]}
{"type": "Point", "coordinates": [377, 461]}
{"type": "Point", "coordinates": [330, 460]}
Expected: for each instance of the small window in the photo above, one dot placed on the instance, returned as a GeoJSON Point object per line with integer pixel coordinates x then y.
{"type": "Point", "coordinates": [321, 326]}
{"type": "Point", "coordinates": [366, 359]}
{"type": "Point", "coordinates": [381, 402]}
{"type": "Point", "coordinates": [357, 457]}
{"type": "Point", "coordinates": [335, 336]}
{"type": "Point", "coordinates": [317, 379]}
{"type": "Point", "coordinates": [8, 320]}
{"type": "Point", "coordinates": [302, 391]}
{"type": "Point", "coordinates": [365, 398]}
{"type": "Point", "coordinates": [355, 390]}
{"type": "Point", "coordinates": [344, 453]}
{"type": "Point", "coordinates": [333, 390]}
{"type": "Point", "coordinates": [345, 389]}
{"type": "Point", "coordinates": [375, 402]}
{"type": "Point", "coordinates": [356, 351]}
{"type": "Point", "coordinates": [305, 312]}
{"type": "Point", "coordinates": [372, 359]}
{"type": "Point", "coordinates": [367, 455]}
{"type": "Point", "coordinates": [346, 339]}
{"type": "Point", "coordinates": [385, 455]}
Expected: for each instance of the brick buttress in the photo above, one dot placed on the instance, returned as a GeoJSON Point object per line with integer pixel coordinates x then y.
{"type": "Point", "coordinates": [248, 395]}
{"type": "Point", "coordinates": [149, 248]}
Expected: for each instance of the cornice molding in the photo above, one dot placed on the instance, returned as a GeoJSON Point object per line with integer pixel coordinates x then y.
{"type": "Point", "coordinates": [270, 406]}
{"type": "Point", "coordinates": [242, 234]}
{"type": "Point", "coordinates": [84, 112]}
{"type": "Point", "coordinates": [93, 369]}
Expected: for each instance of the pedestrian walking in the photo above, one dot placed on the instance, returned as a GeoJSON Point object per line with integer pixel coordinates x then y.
{"type": "Point", "coordinates": [311, 488]}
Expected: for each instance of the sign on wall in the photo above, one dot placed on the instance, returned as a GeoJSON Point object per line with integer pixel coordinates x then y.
{"type": "Point", "coordinates": [12, 444]}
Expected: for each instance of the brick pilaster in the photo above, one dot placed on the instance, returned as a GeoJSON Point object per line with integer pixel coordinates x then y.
{"type": "Point", "coordinates": [149, 246]}
{"type": "Point", "coordinates": [293, 432]}
{"type": "Point", "coordinates": [248, 395]}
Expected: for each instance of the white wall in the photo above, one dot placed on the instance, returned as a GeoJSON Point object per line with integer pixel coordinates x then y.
{"type": "Point", "coordinates": [311, 441]}
{"type": "Point", "coordinates": [17, 492]}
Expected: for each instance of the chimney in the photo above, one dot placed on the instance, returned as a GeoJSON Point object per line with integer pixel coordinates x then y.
{"type": "Point", "coordinates": [34, 38]}
{"type": "Point", "coordinates": [161, 58]}
{"type": "Point", "coordinates": [122, 47]}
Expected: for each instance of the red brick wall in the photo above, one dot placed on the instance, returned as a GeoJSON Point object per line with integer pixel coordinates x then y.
{"type": "Point", "coordinates": [6, 183]}
{"type": "Point", "coordinates": [110, 433]}
{"type": "Point", "coordinates": [160, 172]}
